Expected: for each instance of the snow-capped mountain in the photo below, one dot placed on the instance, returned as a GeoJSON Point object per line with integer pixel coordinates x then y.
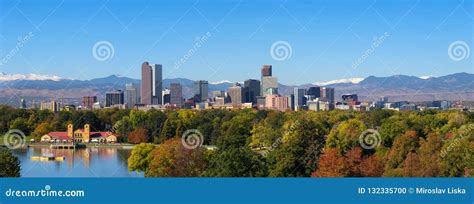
{"type": "Point", "coordinates": [340, 81]}
{"type": "Point", "coordinates": [33, 77]}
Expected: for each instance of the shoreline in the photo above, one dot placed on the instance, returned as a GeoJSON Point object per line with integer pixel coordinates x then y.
{"type": "Point", "coordinates": [121, 145]}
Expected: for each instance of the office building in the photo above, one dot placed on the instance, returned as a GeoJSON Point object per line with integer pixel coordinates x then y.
{"type": "Point", "coordinates": [53, 106]}
{"type": "Point", "coordinates": [268, 81]}
{"type": "Point", "coordinates": [218, 94]}
{"type": "Point", "coordinates": [269, 85]}
{"type": "Point", "coordinates": [114, 98]}
{"type": "Point", "coordinates": [132, 95]}
{"type": "Point", "coordinates": [266, 70]}
{"type": "Point", "coordinates": [152, 84]}
{"type": "Point", "coordinates": [327, 94]}
{"type": "Point", "coordinates": [235, 94]}
{"type": "Point", "coordinates": [314, 91]}
{"type": "Point", "coordinates": [201, 90]}
{"type": "Point", "coordinates": [176, 95]}
{"type": "Point", "coordinates": [22, 103]}
{"type": "Point", "coordinates": [251, 90]}
{"type": "Point", "coordinates": [166, 96]}
{"type": "Point", "coordinates": [88, 102]}
{"type": "Point", "coordinates": [276, 102]}
{"type": "Point", "coordinates": [299, 98]}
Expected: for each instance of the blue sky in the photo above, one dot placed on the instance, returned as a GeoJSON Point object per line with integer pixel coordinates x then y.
{"type": "Point", "coordinates": [327, 38]}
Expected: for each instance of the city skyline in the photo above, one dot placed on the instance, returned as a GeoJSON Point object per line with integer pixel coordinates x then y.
{"type": "Point", "coordinates": [228, 43]}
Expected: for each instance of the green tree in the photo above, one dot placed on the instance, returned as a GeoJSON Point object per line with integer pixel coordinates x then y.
{"type": "Point", "coordinates": [9, 163]}
{"type": "Point", "coordinates": [140, 157]}
{"type": "Point", "coordinates": [298, 154]}
{"type": "Point", "coordinates": [20, 124]}
{"type": "Point", "coordinates": [346, 135]}
{"type": "Point", "coordinates": [236, 162]}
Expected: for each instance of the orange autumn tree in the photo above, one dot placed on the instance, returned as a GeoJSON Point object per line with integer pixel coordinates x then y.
{"type": "Point", "coordinates": [140, 135]}
{"type": "Point", "coordinates": [352, 164]}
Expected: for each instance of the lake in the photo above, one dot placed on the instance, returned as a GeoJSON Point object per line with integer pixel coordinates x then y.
{"type": "Point", "coordinates": [86, 162]}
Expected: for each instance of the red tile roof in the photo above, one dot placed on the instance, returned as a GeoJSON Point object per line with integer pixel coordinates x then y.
{"type": "Point", "coordinates": [58, 135]}
{"type": "Point", "coordinates": [63, 135]}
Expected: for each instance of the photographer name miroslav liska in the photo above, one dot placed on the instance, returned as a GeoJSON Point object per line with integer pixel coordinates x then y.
{"type": "Point", "coordinates": [440, 191]}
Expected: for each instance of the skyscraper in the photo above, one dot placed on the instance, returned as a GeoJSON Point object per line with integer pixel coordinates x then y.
{"type": "Point", "coordinates": [299, 98]}
{"type": "Point", "coordinates": [235, 94]}
{"type": "Point", "coordinates": [152, 84]}
{"type": "Point", "coordinates": [114, 98]}
{"type": "Point", "coordinates": [267, 70]}
{"type": "Point", "coordinates": [176, 95]}
{"type": "Point", "coordinates": [328, 95]}
{"type": "Point", "coordinates": [22, 103]}
{"type": "Point", "coordinates": [201, 90]}
{"type": "Point", "coordinates": [251, 90]}
{"type": "Point", "coordinates": [132, 94]}
{"type": "Point", "coordinates": [268, 82]}
{"type": "Point", "coordinates": [88, 102]}
{"type": "Point", "coordinates": [269, 85]}
{"type": "Point", "coordinates": [314, 91]}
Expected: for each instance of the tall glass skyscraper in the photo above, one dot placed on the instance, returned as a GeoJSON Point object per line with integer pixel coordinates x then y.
{"type": "Point", "coordinates": [152, 84]}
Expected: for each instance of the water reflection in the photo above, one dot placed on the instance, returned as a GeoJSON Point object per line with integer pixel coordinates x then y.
{"type": "Point", "coordinates": [88, 162]}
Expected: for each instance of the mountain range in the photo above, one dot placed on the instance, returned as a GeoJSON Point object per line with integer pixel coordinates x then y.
{"type": "Point", "coordinates": [459, 86]}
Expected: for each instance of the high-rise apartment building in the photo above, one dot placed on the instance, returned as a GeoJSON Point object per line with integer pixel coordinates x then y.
{"type": "Point", "coordinates": [152, 84]}
{"type": "Point", "coordinates": [114, 98]}
{"type": "Point", "coordinates": [132, 95]}
{"type": "Point", "coordinates": [176, 95]}
{"type": "Point", "coordinates": [201, 90]}
{"type": "Point", "coordinates": [88, 102]}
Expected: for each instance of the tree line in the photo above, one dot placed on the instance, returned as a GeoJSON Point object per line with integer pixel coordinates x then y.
{"type": "Point", "coordinates": [265, 143]}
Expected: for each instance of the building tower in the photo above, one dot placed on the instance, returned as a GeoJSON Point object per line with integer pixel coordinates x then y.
{"type": "Point", "coordinates": [70, 131]}
{"type": "Point", "coordinates": [152, 84]}
{"type": "Point", "coordinates": [87, 133]}
{"type": "Point", "coordinates": [201, 88]}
